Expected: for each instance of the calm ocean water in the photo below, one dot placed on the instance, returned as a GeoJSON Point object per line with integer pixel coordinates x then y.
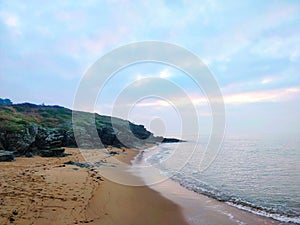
{"type": "Point", "coordinates": [257, 175]}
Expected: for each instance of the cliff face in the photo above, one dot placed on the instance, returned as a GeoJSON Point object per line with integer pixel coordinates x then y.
{"type": "Point", "coordinates": [29, 129]}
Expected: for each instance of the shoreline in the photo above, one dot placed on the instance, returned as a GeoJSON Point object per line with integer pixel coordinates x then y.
{"type": "Point", "coordinates": [131, 204]}
{"type": "Point", "coordinates": [201, 209]}
{"type": "Point", "coordinates": [46, 191]}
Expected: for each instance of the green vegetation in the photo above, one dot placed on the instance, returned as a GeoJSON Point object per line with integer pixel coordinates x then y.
{"type": "Point", "coordinates": [14, 118]}
{"type": "Point", "coordinates": [28, 127]}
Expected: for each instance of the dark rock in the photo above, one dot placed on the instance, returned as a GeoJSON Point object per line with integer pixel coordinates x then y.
{"type": "Point", "coordinates": [28, 154]}
{"type": "Point", "coordinates": [55, 152]}
{"type": "Point", "coordinates": [49, 138]}
{"type": "Point", "coordinates": [34, 138]}
{"type": "Point", "coordinates": [112, 153]}
{"type": "Point", "coordinates": [69, 139]}
{"type": "Point", "coordinates": [139, 131]}
{"type": "Point", "coordinates": [79, 164]}
{"type": "Point", "coordinates": [107, 136]}
{"type": "Point", "coordinates": [171, 140]}
{"type": "Point", "coordinates": [99, 178]}
{"type": "Point", "coordinates": [6, 156]}
{"type": "Point", "coordinates": [19, 141]}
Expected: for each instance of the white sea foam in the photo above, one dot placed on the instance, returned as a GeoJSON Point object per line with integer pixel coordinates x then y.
{"type": "Point", "coordinates": [248, 174]}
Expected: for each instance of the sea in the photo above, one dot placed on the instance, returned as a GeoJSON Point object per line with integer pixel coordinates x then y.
{"type": "Point", "coordinates": [259, 175]}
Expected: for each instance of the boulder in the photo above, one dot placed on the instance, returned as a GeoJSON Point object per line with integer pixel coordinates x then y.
{"type": "Point", "coordinates": [29, 155]}
{"type": "Point", "coordinates": [69, 139]}
{"type": "Point", "coordinates": [6, 156]}
{"type": "Point", "coordinates": [54, 152]}
{"type": "Point", "coordinates": [79, 164]}
{"type": "Point", "coordinates": [49, 138]}
{"type": "Point", "coordinates": [112, 153]}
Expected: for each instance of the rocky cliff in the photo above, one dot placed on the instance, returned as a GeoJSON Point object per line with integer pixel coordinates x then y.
{"type": "Point", "coordinates": [29, 129]}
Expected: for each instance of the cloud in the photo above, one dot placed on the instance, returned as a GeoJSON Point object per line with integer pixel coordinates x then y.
{"type": "Point", "coordinates": [268, 31]}
{"type": "Point", "coordinates": [267, 80]}
{"type": "Point", "coordinates": [278, 95]}
{"type": "Point", "coordinates": [139, 78]}
{"type": "Point", "coordinates": [165, 73]}
{"type": "Point", "coordinates": [12, 24]}
{"type": "Point", "coordinates": [9, 19]}
{"type": "Point", "coordinates": [155, 103]}
{"type": "Point", "coordinates": [263, 79]}
{"type": "Point", "coordinates": [278, 47]}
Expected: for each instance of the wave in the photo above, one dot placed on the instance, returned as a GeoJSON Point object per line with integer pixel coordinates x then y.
{"type": "Point", "coordinates": [188, 179]}
{"type": "Point", "coordinates": [203, 188]}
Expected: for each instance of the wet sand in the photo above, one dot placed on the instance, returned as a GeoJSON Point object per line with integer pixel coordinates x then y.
{"type": "Point", "coordinates": [200, 209]}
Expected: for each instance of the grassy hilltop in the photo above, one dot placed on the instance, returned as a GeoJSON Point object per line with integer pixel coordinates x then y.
{"type": "Point", "coordinates": [28, 127]}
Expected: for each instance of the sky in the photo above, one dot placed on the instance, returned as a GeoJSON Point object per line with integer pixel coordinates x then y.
{"type": "Point", "coordinates": [251, 47]}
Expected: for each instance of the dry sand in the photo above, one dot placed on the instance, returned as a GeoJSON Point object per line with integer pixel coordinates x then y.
{"type": "Point", "coordinates": [45, 191]}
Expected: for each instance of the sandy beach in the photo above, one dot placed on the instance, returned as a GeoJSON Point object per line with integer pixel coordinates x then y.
{"type": "Point", "coordinates": [46, 191]}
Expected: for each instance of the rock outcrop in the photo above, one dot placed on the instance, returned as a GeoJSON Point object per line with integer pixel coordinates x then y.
{"type": "Point", "coordinates": [54, 152]}
{"type": "Point", "coordinates": [6, 156]}
{"type": "Point", "coordinates": [28, 129]}
{"type": "Point", "coordinates": [171, 140]}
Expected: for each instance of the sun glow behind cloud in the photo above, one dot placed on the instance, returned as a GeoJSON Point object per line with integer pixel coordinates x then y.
{"type": "Point", "coordinates": [280, 95]}
{"type": "Point", "coordinates": [164, 73]}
